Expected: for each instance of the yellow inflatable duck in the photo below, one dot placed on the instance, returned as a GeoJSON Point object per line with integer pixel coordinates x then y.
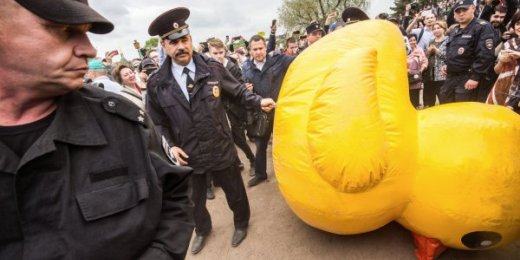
{"type": "Point", "coordinates": [351, 154]}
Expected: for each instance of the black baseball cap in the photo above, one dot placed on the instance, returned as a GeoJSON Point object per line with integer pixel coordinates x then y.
{"type": "Point", "coordinates": [353, 14]}
{"type": "Point", "coordinates": [171, 24]}
{"type": "Point", "coordinates": [70, 12]}
{"type": "Point", "coordinates": [462, 4]}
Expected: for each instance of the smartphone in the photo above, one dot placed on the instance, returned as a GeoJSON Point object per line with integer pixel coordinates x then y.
{"type": "Point", "coordinates": [273, 23]}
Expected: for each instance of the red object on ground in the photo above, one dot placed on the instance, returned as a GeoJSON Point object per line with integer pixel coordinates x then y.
{"type": "Point", "coordinates": [427, 248]}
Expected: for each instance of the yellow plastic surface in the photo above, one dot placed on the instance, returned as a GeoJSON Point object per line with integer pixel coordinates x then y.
{"type": "Point", "coordinates": [351, 154]}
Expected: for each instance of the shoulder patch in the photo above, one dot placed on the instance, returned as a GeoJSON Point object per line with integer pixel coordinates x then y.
{"type": "Point", "coordinates": [125, 109]}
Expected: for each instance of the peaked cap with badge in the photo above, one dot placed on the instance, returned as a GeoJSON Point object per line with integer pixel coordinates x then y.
{"type": "Point", "coordinates": [314, 26]}
{"type": "Point", "coordinates": [171, 24]}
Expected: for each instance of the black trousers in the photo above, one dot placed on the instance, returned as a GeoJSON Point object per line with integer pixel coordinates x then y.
{"type": "Point", "coordinates": [231, 182]}
{"type": "Point", "coordinates": [239, 136]}
{"type": "Point", "coordinates": [430, 92]}
{"type": "Point", "coordinates": [261, 151]}
{"type": "Point", "coordinates": [484, 87]}
{"type": "Point", "coordinates": [453, 90]}
{"type": "Point", "coordinates": [414, 97]}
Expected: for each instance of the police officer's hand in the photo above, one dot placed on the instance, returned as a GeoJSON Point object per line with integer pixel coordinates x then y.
{"type": "Point", "coordinates": [180, 155]}
{"type": "Point", "coordinates": [267, 104]}
{"type": "Point", "coordinates": [249, 86]}
{"type": "Point", "coordinates": [471, 84]}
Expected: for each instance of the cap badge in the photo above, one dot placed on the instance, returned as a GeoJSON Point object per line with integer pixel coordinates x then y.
{"type": "Point", "coordinates": [216, 91]}
{"type": "Point", "coordinates": [175, 25]}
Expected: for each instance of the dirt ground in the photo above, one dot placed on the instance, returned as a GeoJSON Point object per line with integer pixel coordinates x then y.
{"type": "Point", "coordinates": [276, 233]}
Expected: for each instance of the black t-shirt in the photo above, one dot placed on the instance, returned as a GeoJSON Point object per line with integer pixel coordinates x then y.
{"type": "Point", "coordinates": [19, 138]}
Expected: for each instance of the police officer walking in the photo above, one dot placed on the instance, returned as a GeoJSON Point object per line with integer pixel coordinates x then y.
{"type": "Point", "coordinates": [469, 55]}
{"type": "Point", "coordinates": [185, 102]}
{"type": "Point", "coordinates": [82, 171]}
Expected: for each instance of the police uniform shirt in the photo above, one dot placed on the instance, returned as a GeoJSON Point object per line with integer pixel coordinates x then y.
{"type": "Point", "coordinates": [471, 49]}
{"type": "Point", "coordinates": [180, 77]}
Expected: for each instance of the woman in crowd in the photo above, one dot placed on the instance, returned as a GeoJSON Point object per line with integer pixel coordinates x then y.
{"type": "Point", "coordinates": [416, 62]}
{"type": "Point", "coordinates": [507, 65]}
{"type": "Point", "coordinates": [436, 53]}
{"type": "Point", "coordinates": [125, 76]}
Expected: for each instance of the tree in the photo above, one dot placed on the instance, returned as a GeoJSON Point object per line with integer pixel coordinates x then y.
{"type": "Point", "coordinates": [151, 43]}
{"type": "Point", "coordinates": [297, 14]}
{"type": "Point", "coordinates": [399, 5]}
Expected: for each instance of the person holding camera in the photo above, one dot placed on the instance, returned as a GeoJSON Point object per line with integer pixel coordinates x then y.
{"type": "Point", "coordinates": [425, 33]}
{"type": "Point", "coordinates": [469, 55]}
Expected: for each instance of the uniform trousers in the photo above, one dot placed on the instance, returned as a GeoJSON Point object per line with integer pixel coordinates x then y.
{"type": "Point", "coordinates": [231, 182]}
{"type": "Point", "coordinates": [453, 90]}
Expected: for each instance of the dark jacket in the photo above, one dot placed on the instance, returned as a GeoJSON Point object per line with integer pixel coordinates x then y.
{"type": "Point", "coordinates": [95, 185]}
{"type": "Point", "coordinates": [268, 81]}
{"type": "Point", "coordinates": [199, 127]}
{"type": "Point", "coordinates": [471, 50]}
{"type": "Point", "coordinates": [233, 106]}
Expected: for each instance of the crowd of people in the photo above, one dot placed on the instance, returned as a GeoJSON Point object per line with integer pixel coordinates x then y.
{"type": "Point", "coordinates": [135, 152]}
{"type": "Point", "coordinates": [461, 51]}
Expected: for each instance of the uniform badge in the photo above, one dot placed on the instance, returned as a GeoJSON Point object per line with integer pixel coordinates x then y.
{"type": "Point", "coordinates": [489, 44]}
{"type": "Point", "coordinates": [175, 25]}
{"type": "Point", "coordinates": [216, 91]}
{"type": "Point", "coordinates": [460, 51]}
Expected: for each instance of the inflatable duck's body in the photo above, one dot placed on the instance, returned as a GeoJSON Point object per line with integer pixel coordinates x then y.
{"type": "Point", "coordinates": [351, 154]}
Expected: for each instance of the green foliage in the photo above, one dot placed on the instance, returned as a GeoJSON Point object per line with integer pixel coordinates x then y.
{"type": "Point", "coordinates": [151, 43]}
{"type": "Point", "coordinates": [399, 5]}
{"type": "Point", "coordinates": [297, 14]}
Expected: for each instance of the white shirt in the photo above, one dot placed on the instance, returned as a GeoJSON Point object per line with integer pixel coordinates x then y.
{"type": "Point", "coordinates": [260, 64]}
{"type": "Point", "coordinates": [181, 77]}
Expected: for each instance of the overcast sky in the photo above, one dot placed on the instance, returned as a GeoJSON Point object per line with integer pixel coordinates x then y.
{"type": "Point", "coordinates": [208, 18]}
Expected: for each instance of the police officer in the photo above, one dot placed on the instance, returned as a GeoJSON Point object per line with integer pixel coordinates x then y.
{"type": "Point", "coordinates": [185, 102]}
{"type": "Point", "coordinates": [82, 172]}
{"type": "Point", "coordinates": [469, 54]}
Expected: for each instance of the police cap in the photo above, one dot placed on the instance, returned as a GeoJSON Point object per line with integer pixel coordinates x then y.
{"type": "Point", "coordinates": [69, 12]}
{"type": "Point", "coordinates": [462, 4]}
{"type": "Point", "coordinates": [314, 26]}
{"type": "Point", "coordinates": [171, 24]}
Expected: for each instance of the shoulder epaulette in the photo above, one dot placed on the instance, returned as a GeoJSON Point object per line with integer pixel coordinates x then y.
{"type": "Point", "coordinates": [125, 109]}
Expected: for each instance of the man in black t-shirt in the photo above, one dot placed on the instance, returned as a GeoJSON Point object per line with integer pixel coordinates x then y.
{"type": "Point", "coordinates": [83, 173]}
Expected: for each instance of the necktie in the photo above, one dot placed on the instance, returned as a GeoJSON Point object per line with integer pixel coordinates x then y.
{"type": "Point", "coordinates": [189, 81]}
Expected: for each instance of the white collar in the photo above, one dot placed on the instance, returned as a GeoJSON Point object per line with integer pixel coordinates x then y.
{"type": "Point", "coordinates": [179, 69]}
